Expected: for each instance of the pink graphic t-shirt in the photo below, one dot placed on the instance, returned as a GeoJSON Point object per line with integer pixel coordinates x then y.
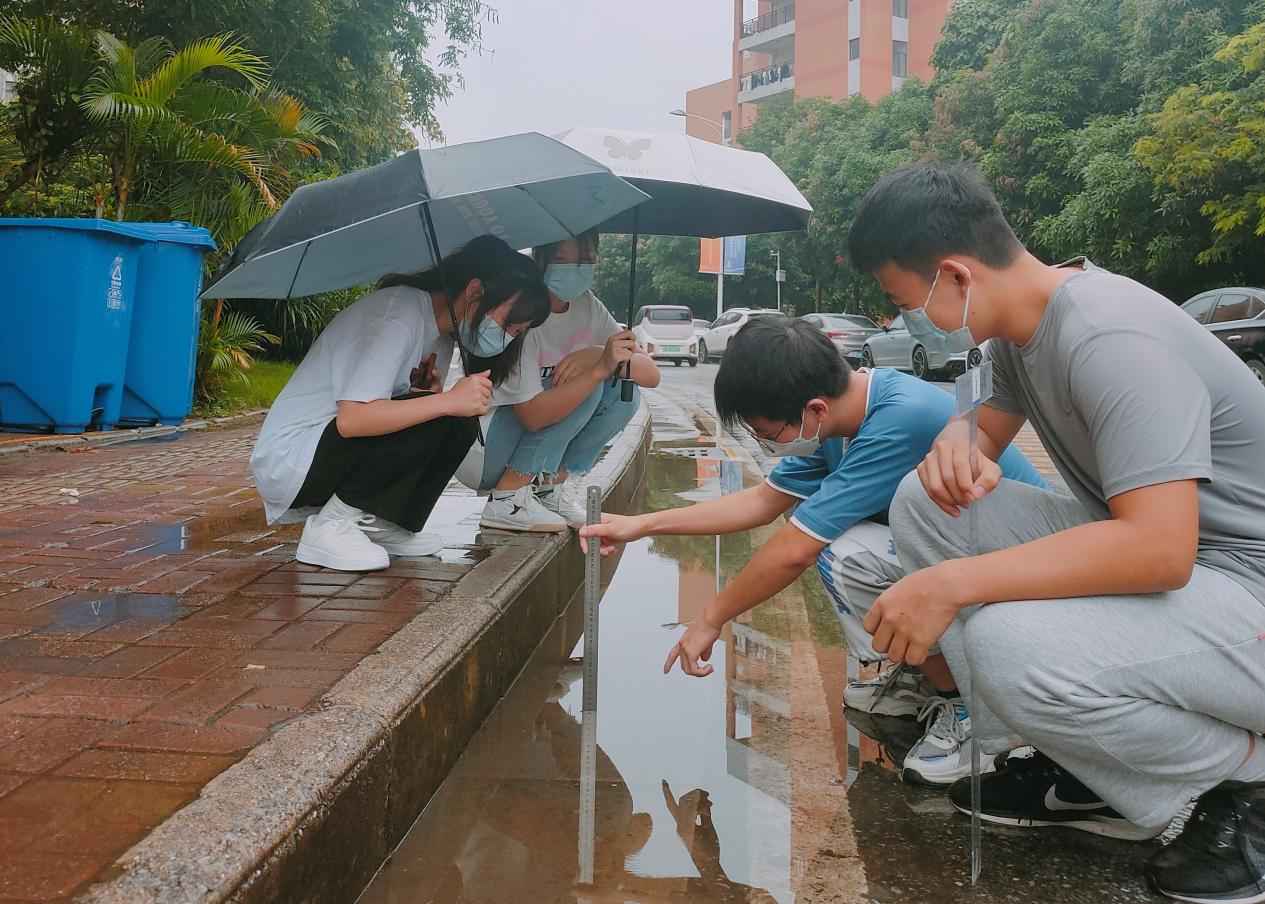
{"type": "Point", "coordinates": [586, 323]}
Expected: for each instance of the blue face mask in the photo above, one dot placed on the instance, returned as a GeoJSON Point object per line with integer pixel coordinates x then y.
{"type": "Point", "coordinates": [931, 336]}
{"type": "Point", "coordinates": [569, 281]}
{"type": "Point", "coordinates": [490, 340]}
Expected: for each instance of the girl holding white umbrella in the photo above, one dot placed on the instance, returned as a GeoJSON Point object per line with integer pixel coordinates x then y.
{"type": "Point", "coordinates": [551, 419]}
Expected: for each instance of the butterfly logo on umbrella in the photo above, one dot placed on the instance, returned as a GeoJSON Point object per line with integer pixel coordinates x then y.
{"type": "Point", "coordinates": [633, 150]}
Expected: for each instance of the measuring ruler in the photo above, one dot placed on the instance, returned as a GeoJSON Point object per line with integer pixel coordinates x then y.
{"type": "Point", "coordinates": [588, 715]}
{"type": "Point", "coordinates": [972, 389]}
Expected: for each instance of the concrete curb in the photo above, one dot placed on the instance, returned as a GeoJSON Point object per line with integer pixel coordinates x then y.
{"type": "Point", "coordinates": [310, 814]}
{"type": "Point", "coordinates": [128, 435]}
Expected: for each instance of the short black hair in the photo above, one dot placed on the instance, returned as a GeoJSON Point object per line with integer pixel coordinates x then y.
{"type": "Point", "coordinates": [773, 366]}
{"type": "Point", "coordinates": [919, 213]}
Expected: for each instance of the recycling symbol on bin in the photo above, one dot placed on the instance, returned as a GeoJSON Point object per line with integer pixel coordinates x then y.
{"type": "Point", "coordinates": [114, 294]}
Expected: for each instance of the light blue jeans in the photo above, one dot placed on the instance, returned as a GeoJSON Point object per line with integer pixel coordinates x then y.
{"type": "Point", "coordinates": [572, 445]}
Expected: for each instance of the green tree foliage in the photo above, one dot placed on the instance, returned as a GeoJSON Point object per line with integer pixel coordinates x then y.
{"type": "Point", "coordinates": [972, 33]}
{"type": "Point", "coordinates": [374, 65]}
{"type": "Point", "coordinates": [147, 131]}
{"type": "Point", "coordinates": [1169, 42]}
{"type": "Point", "coordinates": [46, 123]}
{"type": "Point", "coordinates": [1208, 146]}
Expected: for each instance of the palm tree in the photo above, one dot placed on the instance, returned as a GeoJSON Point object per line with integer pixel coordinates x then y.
{"type": "Point", "coordinates": [166, 127]}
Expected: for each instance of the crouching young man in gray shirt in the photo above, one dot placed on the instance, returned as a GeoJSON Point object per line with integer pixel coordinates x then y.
{"type": "Point", "coordinates": [1120, 630]}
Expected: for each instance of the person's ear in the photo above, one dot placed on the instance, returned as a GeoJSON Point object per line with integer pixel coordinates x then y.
{"type": "Point", "coordinates": [959, 272]}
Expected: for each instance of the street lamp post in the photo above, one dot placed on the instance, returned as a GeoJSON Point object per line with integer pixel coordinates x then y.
{"type": "Point", "coordinates": [720, 270]}
{"type": "Point", "coordinates": [720, 130]}
{"type": "Point", "coordinates": [779, 276]}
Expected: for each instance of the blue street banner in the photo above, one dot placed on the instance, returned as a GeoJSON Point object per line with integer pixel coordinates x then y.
{"type": "Point", "coordinates": [735, 255]}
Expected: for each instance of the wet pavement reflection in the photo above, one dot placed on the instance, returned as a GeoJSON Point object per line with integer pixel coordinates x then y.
{"type": "Point", "coordinates": [749, 786]}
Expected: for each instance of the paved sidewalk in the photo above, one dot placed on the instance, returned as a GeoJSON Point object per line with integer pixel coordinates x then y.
{"type": "Point", "coordinates": [153, 630]}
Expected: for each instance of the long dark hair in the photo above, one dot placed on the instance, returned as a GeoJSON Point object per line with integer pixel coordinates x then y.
{"type": "Point", "coordinates": [504, 273]}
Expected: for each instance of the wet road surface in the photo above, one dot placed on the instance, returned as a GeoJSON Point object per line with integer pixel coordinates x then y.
{"type": "Point", "coordinates": [747, 786]}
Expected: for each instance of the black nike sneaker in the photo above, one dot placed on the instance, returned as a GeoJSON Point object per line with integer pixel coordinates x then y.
{"type": "Point", "coordinates": [1036, 791]}
{"type": "Point", "coordinates": [1219, 857]}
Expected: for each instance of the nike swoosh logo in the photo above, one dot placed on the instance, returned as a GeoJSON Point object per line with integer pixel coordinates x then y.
{"type": "Point", "coordinates": [1053, 802]}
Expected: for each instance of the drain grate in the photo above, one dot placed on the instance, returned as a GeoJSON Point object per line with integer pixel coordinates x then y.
{"type": "Point", "coordinates": [695, 452]}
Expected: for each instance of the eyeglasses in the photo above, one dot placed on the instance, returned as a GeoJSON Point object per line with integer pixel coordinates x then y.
{"type": "Point", "coordinates": [750, 431]}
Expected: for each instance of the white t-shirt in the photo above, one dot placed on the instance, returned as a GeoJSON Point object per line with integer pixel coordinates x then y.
{"type": "Point", "coordinates": [366, 353]}
{"type": "Point", "coordinates": [585, 323]}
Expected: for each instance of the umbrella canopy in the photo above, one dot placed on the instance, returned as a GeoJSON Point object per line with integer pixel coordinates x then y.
{"type": "Point", "coordinates": [697, 188]}
{"type": "Point", "coordinates": [526, 189]}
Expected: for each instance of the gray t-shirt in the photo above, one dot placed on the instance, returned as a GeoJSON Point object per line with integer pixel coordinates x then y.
{"type": "Point", "coordinates": [1126, 390]}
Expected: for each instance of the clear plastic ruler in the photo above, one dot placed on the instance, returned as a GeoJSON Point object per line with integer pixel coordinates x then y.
{"type": "Point", "coordinates": [972, 389]}
{"type": "Point", "coordinates": [588, 716]}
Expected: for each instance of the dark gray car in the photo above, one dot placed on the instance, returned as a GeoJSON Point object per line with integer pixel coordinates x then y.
{"type": "Point", "coordinates": [1236, 316]}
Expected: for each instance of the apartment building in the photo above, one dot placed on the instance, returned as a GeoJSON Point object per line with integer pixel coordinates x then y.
{"type": "Point", "coordinates": [815, 48]}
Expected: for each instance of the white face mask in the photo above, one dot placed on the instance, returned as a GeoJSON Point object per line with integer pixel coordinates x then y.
{"type": "Point", "coordinates": [931, 336]}
{"type": "Point", "coordinates": [801, 445]}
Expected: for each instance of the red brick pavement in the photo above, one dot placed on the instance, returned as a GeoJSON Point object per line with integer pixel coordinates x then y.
{"type": "Point", "coordinates": [152, 631]}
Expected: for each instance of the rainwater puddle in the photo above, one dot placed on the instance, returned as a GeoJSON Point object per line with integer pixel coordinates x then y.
{"type": "Point", "coordinates": [746, 786]}
{"type": "Point", "coordinates": [208, 532]}
{"type": "Point", "coordinates": [82, 613]}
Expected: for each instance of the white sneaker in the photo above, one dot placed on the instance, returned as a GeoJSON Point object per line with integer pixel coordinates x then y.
{"type": "Point", "coordinates": [898, 691]}
{"type": "Point", "coordinates": [398, 541]}
{"type": "Point", "coordinates": [566, 500]}
{"type": "Point", "coordinates": [339, 543]}
{"type": "Point", "coordinates": [944, 754]}
{"type": "Point", "coordinates": [522, 512]}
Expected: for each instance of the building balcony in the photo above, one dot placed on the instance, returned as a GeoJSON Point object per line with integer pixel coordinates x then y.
{"type": "Point", "coordinates": [771, 33]}
{"type": "Point", "coordinates": [765, 83]}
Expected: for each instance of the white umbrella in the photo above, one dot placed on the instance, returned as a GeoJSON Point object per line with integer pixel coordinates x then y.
{"type": "Point", "coordinates": [696, 188]}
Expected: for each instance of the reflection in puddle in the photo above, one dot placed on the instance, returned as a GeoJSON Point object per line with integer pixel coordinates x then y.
{"type": "Point", "coordinates": [208, 532]}
{"type": "Point", "coordinates": [693, 780]}
{"type": "Point", "coordinates": [85, 612]}
{"type": "Point", "coordinates": [748, 786]}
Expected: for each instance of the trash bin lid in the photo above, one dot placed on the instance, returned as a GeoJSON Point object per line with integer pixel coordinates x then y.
{"type": "Point", "coordinates": [176, 232]}
{"type": "Point", "coordinates": [181, 233]}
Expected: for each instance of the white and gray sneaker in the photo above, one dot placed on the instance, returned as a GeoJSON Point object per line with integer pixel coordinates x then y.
{"type": "Point", "coordinates": [898, 691]}
{"type": "Point", "coordinates": [397, 540]}
{"type": "Point", "coordinates": [520, 511]}
{"type": "Point", "coordinates": [944, 754]}
{"type": "Point", "coordinates": [340, 544]}
{"type": "Point", "coordinates": [566, 500]}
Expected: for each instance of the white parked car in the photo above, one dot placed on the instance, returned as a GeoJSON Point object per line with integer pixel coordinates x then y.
{"type": "Point", "coordinates": [701, 327]}
{"type": "Point", "coordinates": [716, 339]}
{"type": "Point", "coordinates": [666, 332]}
{"type": "Point", "coordinates": [894, 347]}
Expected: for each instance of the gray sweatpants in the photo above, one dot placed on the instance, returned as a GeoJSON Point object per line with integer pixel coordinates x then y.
{"type": "Point", "coordinates": [1144, 698]}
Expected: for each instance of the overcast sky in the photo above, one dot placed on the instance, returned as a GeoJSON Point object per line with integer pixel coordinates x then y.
{"type": "Point", "coordinates": [554, 64]}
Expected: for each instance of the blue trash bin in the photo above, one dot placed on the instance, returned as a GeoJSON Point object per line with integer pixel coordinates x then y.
{"type": "Point", "coordinates": [163, 352]}
{"type": "Point", "coordinates": [66, 300]}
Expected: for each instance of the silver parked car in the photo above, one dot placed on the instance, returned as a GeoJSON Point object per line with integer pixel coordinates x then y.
{"type": "Point", "coordinates": [847, 331]}
{"type": "Point", "coordinates": [892, 346]}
